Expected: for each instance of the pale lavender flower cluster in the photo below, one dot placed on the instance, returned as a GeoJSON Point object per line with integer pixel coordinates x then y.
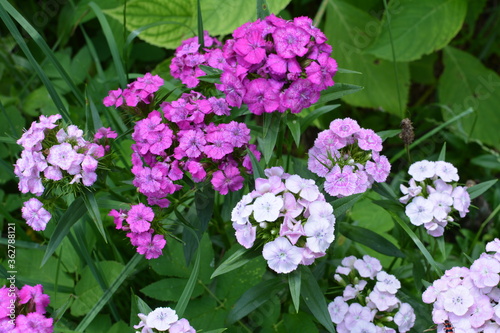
{"type": "Point", "coordinates": [139, 221]}
{"type": "Point", "coordinates": [52, 153]}
{"type": "Point", "coordinates": [141, 90]}
{"type": "Point", "coordinates": [432, 195]}
{"type": "Point", "coordinates": [369, 303]}
{"type": "Point", "coordinates": [24, 310]}
{"type": "Point", "coordinates": [163, 320]}
{"type": "Point", "coordinates": [469, 297]}
{"type": "Point", "coordinates": [275, 65]}
{"type": "Point", "coordinates": [348, 157]}
{"type": "Point", "coordinates": [188, 57]}
{"type": "Point", "coordinates": [178, 139]}
{"type": "Point", "coordinates": [289, 215]}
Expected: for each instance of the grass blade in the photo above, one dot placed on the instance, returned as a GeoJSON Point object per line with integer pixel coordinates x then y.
{"type": "Point", "coordinates": [74, 212]}
{"type": "Point", "coordinates": [124, 274]}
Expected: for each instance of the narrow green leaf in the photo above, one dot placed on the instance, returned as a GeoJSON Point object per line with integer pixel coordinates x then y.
{"type": "Point", "coordinates": [257, 170]}
{"type": "Point", "coordinates": [385, 190]}
{"type": "Point", "coordinates": [314, 298]}
{"type": "Point", "coordinates": [253, 298]}
{"type": "Point", "coordinates": [94, 213]}
{"type": "Point", "coordinates": [347, 71]}
{"type": "Point", "coordinates": [45, 49]}
{"type": "Point", "coordinates": [417, 242]}
{"type": "Point", "coordinates": [311, 117]}
{"type": "Point", "coordinates": [293, 124]}
{"type": "Point", "coordinates": [24, 47]}
{"type": "Point", "coordinates": [262, 9]}
{"type": "Point", "coordinates": [337, 91]}
{"type": "Point", "coordinates": [272, 123]}
{"type": "Point", "coordinates": [204, 201]}
{"type": "Point", "coordinates": [369, 238]}
{"type": "Point", "coordinates": [342, 205]}
{"type": "Point", "coordinates": [442, 154]}
{"type": "Point", "coordinates": [115, 53]}
{"type": "Point", "coordinates": [74, 212]}
{"type": "Point", "coordinates": [388, 134]}
{"type": "Point", "coordinates": [142, 306]}
{"type": "Point", "coordinates": [93, 120]}
{"type": "Point", "coordinates": [236, 260]}
{"type": "Point", "coordinates": [201, 35]}
{"type": "Point", "coordinates": [477, 190]}
{"type": "Point", "coordinates": [294, 282]}
{"type": "Point", "coordinates": [188, 291]}
{"type": "Point", "coordinates": [219, 330]}
{"type": "Point", "coordinates": [210, 70]}
{"type": "Point", "coordinates": [124, 274]}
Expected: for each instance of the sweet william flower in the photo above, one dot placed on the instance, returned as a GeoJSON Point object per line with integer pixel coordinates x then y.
{"type": "Point", "coordinates": [281, 255]}
{"type": "Point", "coordinates": [420, 211]}
{"type": "Point", "coordinates": [161, 318]}
{"type": "Point", "coordinates": [458, 300]}
{"type": "Point", "coordinates": [422, 170]}
{"type": "Point", "coordinates": [35, 215]}
{"type": "Point", "coordinates": [267, 207]}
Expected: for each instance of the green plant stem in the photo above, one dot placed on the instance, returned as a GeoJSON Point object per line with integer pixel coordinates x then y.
{"type": "Point", "coordinates": [320, 13]}
{"type": "Point", "coordinates": [483, 225]}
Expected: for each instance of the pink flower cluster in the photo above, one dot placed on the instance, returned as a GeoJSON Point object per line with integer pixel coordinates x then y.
{"type": "Point", "coordinates": [275, 65]}
{"type": "Point", "coordinates": [289, 215]}
{"type": "Point", "coordinates": [177, 139]}
{"type": "Point", "coordinates": [23, 310]}
{"type": "Point", "coordinates": [188, 57]}
{"type": "Point", "coordinates": [469, 297]}
{"type": "Point", "coordinates": [433, 195]}
{"type": "Point", "coordinates": [162, 320]}
{"type": "Point", "coordinates": [141, 90]}
{"type": "Point", "coordinates": [369, 302]}
{"type": "Point", "coordinates": [52, 153]}
{"type": "Point", "coordinates": [348, 157]}
{"type": "Point", "coordinates": [139, 219]}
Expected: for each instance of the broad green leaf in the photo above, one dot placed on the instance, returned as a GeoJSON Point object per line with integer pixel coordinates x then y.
{"type": "Point", "coordinates": [299, 323]}
{"type": "Point", "coordinates": [74, 212]}
{"type": "Point", "coordinates": [467, 83]}
{"type": "Point", "coordinates": [371, 239]}
{"type": "Point", "coordinates": [294, 282]}
{"type": "Point", "coordinates": [169, 289]}
{"type": "Point", "coordinates": [314, 298]}
{"type": "Point", "coordinates": [418, 28]}
{"type": "Point", "coordinates": [480, 188]}
{"type": "Point", "coordinates": [350, 30]}
{"type": "Point", "coordinates": [253, 298]}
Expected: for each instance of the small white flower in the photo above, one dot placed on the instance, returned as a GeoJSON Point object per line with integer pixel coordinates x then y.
{"type": "Point", "coordinates": [242, 210]}
{"type": "Point", "coordinates": [161, 318]}
{"type": "Point", "coordinates": [420, 211]}
{"type": "Point", "coordinates": [446, 171]}
{"type": "Point", "coordinates": [422, 170]}
{"type": "Point", "coordinates": [267, 207]}
{"type": "Point", "coordinates": [319, 234]}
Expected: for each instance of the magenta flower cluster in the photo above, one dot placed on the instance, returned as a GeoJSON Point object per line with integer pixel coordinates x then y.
{"type": "Point", "coordinates": [138, 221]}
{"type": "Point", "coordinates": [274, 65]}
{"type": "Point", "coordinates": [52, 153]}
{"type": "Point", "coordinates": [369, 302]}
{"type": "Point", "coordinates": [348, 157]}
{"type": "Point", "coordinates": [24, 310]}
{"type": "Point", "coordinates": [140, 91]}
{"type": "Point", "coordinates": [289, 215]}
{"type": "Point", "coordinates": [469, 297]}
{"type": "Point", "coordinates": [163, 320]}
{"type": "Point", "coordinates": [188, 57]}
{"type": "Point", "coordinates": [177, 139]}
{"type": "Point", "coordinates": [432, 195]}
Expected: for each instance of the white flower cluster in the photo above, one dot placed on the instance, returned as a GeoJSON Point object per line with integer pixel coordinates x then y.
{"type": "Point", "coordinates": [162, 320]}
{"type": "Point", "coordinates": [433, 195]}
{"type": "Point", "coordinates": [290, 216]}
{"type": "Point", "coordinates": [369, 303]}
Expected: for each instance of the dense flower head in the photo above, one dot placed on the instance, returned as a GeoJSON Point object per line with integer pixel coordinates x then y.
{"type": "Point", "coordinates": [348, 157]}
{"type": "Point", "coordinates": [55, 154]}
{"type": "Point", "coordinates": [139, 91]}
{"type": "Point", "coordinates": [289, 215]}
{"type": "Point", "coordinates": [275, 65]}
{"type": "Point", "coordinates": [179, 139]}
{"type": "Point", "coordinates": [369, 302]}
{"type": "Point", "coordinates": [140, 221]}
{"type": "Point", "coordinates": [188, 57]}
{"type": "Point", "coordinates": [22, 310]}
{"type": "Point", "coordinates": [468, 297]}
{"type": "Point", "coordinates": [163, 319]}
{"type": "Point", "coordinates": [433, 196]}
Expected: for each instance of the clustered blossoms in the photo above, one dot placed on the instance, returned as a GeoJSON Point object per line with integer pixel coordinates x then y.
{"type": "Point", "coordinates": [289, 215]}
{"type": "Point", "coordinates": [369, 303]}
{"type": "Point", "coordinates": [188, 57]}
{"type": "Point", "coordinates": [139, 220]}
{"type": "Point", "coordinates": [23, 310]}
{"type": "Point", "coordinates": [275, 65]}
{"type": "Point", "coordinates": [177, 138]}
{"type": "Point", "coordinates": [469, 297]}
{"type": "Point", "coordinates": [53, 153]}
{"type": "Point", "coordinates": [162, 320]}
{"type": "Point", "coordinates": [139, 91]}
{"type": "Point", "coordinates": [348, 157]}
{"type": "Point", "coordinates": [433, 195]}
